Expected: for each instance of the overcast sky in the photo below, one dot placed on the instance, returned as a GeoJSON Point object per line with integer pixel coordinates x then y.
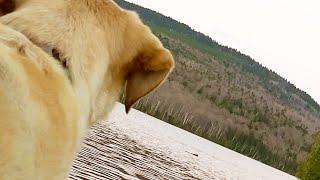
{"type": "Point", "coordinates": [283, 35]}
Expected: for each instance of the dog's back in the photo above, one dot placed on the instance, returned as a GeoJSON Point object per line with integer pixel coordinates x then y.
{"type": "Point", "coordinates": [38, 113]}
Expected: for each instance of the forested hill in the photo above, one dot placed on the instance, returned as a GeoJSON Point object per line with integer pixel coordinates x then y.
{"type": "Point", "coordinates": [224, 54]}
{"type": "Point", "coordinates": [254, 110]}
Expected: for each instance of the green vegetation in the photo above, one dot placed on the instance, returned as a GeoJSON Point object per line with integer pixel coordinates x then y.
{"type": "Point", "coordinates": [310, 169]}
{"type": "Point", "coordinates": [235, 106]}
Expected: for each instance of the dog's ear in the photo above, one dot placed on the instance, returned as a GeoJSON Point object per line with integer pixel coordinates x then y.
{"type": "Point", "coordinates": [150, 70]}
{"type": "Point", "coordinates": [6, 6]}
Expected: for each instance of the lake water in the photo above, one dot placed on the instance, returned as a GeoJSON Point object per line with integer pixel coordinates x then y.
{"type": "Point", "coordinates": [138, 146]}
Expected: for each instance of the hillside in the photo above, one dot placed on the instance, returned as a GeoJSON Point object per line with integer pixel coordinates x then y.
{"type": "Point", "coordinates": [225, 96]}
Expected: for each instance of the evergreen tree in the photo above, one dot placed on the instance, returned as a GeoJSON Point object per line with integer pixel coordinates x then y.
{"type": "Point", "coordinates": [310, 169]}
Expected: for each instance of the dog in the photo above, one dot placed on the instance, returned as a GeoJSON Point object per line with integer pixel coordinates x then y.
{"type": "Point", "coordinates": [63, 65]}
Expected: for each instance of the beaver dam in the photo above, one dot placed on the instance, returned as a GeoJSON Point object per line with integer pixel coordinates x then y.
{"type": "Point", "coordinates": [138, 146]}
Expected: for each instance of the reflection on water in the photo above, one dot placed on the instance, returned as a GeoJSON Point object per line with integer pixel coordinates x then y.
{"type": "Point", "coordinates": [137, 146]}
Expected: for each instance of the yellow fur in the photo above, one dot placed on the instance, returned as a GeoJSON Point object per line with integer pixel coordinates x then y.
{"type": "Point", "coordinates": [44, 114]}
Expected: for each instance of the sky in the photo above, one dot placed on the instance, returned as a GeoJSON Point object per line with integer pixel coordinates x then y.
{"type": "Point", "coordinates": [283, 35]}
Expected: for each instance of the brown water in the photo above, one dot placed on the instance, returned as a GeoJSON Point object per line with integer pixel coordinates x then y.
{"type": "Point", "coordinates": [141, 147]}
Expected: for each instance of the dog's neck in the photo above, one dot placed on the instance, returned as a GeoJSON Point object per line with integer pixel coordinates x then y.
{"type": "Point", "coordinates": [86, 82]}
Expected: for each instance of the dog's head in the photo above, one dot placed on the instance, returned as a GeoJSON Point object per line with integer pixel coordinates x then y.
{"type": "Point", "coordinates": [103, 47]}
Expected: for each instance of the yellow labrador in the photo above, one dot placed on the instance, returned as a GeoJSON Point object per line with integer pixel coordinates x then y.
{"type": "Point", "coordinates": [63, 64]}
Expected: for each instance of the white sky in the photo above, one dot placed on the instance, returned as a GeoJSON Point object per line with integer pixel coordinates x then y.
{"type": "Point", "coordinates": [283, 35]}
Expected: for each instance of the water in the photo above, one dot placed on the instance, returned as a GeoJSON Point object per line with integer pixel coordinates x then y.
{"type": "Point", "coordinates": [138, 146]}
